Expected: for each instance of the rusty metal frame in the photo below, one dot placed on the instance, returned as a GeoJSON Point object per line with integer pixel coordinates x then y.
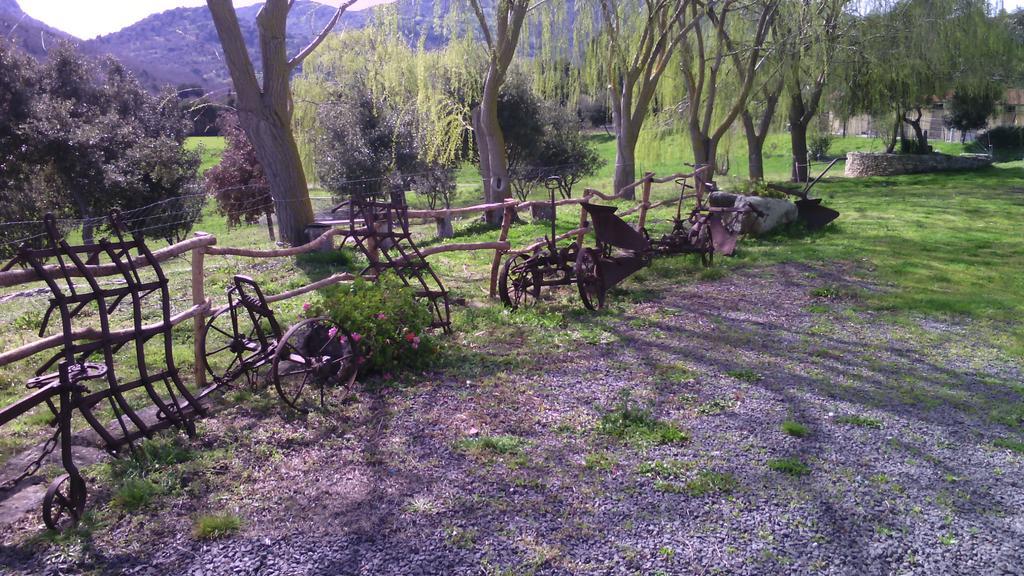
{"type": "Point", "coordinates": [255, 340]}
{"type": "Point", "coordinates": [381, 228]}
{"type": "Point", "coordinates": [78, 363]}
{"type": "Point", "coordinates": [524, 276]}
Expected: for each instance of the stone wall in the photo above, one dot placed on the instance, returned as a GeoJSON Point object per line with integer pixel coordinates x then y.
{"type": "Point", "coordinates": [869, 164]}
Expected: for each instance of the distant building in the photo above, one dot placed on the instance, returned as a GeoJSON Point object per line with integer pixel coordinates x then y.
{"type": "Point", "coordinates": [1009, 112]}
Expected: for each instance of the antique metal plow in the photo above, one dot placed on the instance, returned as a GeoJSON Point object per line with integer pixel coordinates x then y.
{"type": "Point", "coordinates": [811, 212]}
{"type": "Point", "coordinates": [92, 368]}
{"type": "Point", "coordinates": [525, 275]}
{"type": "Point", "coordinates": [709, 227]}
{"type": "Point", "coordinates": [244, 337]}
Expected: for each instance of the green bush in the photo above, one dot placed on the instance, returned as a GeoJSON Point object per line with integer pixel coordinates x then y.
{"type": "Point", "coordinates": [1000, 138]}
{"type": "Point", "coordinates": [818, 146]}
{"type": "Point", "coordinates": [759, 188]}
{"type": "Point", "coordinates": [386, 320]}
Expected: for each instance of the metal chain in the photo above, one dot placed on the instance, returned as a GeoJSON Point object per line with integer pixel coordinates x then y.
{"type": "Point", "coordinates": [33, 466]}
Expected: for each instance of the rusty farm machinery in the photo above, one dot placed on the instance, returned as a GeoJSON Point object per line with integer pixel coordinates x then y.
{"type": "Point", "coordinates": [620, 249]}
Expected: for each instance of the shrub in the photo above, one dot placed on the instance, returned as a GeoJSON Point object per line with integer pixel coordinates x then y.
{"type": "Point", "coordinates": [365, 142]}
{"type": "Point", "coordinates": [238, 182]}
{"type": "Point", "coordinates": [87, 139]}
{"type": "Point", "coordinates": [1000, 138]}
{"type": "Point", "coordinates": [970, 110]}
{"type": "Point", "coordinates": [818, 146]}
{"type": "Point", "coordinates": [386, 319]}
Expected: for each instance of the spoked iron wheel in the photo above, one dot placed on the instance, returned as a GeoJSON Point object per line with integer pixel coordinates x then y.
{"type": "Point", "coordinates": [589, 280]}
{"type": "Point", "coordinates": [705, 245]}
{"type": "Point", "coordinates": [230, 344]}
{"type": "Point", "coordinates": [518, 284]}
{"type": "Point", "coordinates": [64, 502]}
{"type": "Point", "coordinates": [314, 355]}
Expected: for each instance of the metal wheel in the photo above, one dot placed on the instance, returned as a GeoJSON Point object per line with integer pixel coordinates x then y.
{"type": "Point", "coordinates": [589, 280]}
{"type": "Point", "coordinates": [64, 502]}
{"type": "Point", "coordinates": [230, 343]}
{"type": "Point", "coordinates": [313, 355]}
{"type": "Point", "coordinates": [518, 284]}
{"type": "Point", "coordinates": [704, 243]}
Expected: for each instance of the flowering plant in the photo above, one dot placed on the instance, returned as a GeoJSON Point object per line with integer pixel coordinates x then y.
{"type": "Point", "coordinates": [384, 318]}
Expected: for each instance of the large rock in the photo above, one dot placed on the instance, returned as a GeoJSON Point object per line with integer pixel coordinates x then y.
{"type": "Point", "coordinates": [774, 212]}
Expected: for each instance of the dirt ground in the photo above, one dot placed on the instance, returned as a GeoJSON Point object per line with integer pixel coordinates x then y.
{"type": "Point", "coordinates": [893, 459]}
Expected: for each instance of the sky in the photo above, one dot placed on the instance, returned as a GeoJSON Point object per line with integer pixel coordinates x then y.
{"type": "Point", "coordinates": [90, 18]}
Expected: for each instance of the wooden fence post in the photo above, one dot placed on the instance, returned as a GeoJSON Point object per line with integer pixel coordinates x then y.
{"type": "Point", "coordinates": [506, 223]}
{"type": "Point", "coordinates": [645, 200]}
{"type": "Point", "coordinates": [199, 320]}
{"type": "Point", "coordinates": [583, 219]}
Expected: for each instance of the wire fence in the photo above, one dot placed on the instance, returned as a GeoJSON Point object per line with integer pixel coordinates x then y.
{"type": "Point", "coordinates": [173, 218]}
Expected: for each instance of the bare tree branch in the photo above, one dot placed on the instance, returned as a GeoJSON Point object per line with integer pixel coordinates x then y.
{"type": "Point", "coordinates": [484, 27]}
{"type": "Point", "coordinates": [298, 58]}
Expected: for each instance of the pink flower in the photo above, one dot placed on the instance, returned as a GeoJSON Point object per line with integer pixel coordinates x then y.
{"type": "Point", "coordinates": [387, 375]}
{"type": "Point", "coordinates": [332, 332]}
{"type": "Point", "coordinates": [382, 316]}
{"type": "Point", "coordinates": [416, 345]}
{"type": "Point", "coordinates": [356, 336]}
{"type": "Point", "coordinates": [410, 336]}
{"type": "Point", "coordinates": [416, 341]}
{"type": "Point", "coordinates": [306, 306]}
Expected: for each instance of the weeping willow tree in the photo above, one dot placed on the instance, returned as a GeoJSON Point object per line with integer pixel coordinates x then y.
{"type": "Point", "coordinates": [718, 65]}
{"type": "Point", "coordinates": [434, 89]}
{"type": "Point", "coordinates": [264, 102]}
{"type": "Point", "coordinates": [913, 52]}
{"type": "Point", "coordinates": [635, 46]}
{"type": "Point", "coordinates": [758, 117]}
{"type": "Point", "coordinates": [814, 36]}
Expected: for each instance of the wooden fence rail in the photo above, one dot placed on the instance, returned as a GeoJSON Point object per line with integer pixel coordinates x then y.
{"type": "Point", "coordinates": [202, 245]}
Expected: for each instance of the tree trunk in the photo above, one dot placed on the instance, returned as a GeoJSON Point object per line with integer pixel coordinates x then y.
{"type": "Point", "coordinates": [444, 227]}
{"type": "Point", "coordinates": [798, 146]}
{"type": "Point", "coordinates": [493, 150]}
{"type": "Point", "coordinates": [265, 107]}
{"type": "Point", "coordinates": [890, 146]}
{"type": "Point", "coordinates": [625, 164]}
{"type": "Point", "coordinates": [704, 152]}
{"type": "Point", "coordinates": [755, 148]}
{"type": "Point", "coordinates": [88, 224]}
{"type": "Point", "coordinates": [278, 154]}
{"type": "Point", "coordinates": [920, 137]}
{"type": "Point", "coordinates": [625, 138]}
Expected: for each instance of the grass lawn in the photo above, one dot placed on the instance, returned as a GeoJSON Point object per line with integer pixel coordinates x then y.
{"type": "Point", "coordinates": [210, 148]}
{"type": "Point", "coordinates": [734, 379]}
{"type": "Point", "coordinates": [944, 244]}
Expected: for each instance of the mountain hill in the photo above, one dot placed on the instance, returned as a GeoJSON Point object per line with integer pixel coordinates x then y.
{"type": "Point", "coordinates": [25, 32]}
{"type": "Point", "coordinates": [181, 47]}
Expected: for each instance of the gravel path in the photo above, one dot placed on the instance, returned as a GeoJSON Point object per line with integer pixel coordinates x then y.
{"type": "Point", "coordinates": [902, 473]}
